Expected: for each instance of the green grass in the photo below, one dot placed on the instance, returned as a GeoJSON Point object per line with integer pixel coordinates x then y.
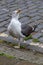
{"type": "Point", "coordinates": [22, 47]}
{"type": "Point", "coordinates": [13, 44]}
{"type": "Point", "coordinates": [1, 54]}
{"type": "Point", "coordinates": [35, 40]}
{"type": "Point", "coordinates": [29, 37]}
{"type": "Point", "coordinates": [1, 41]}
{"type": "Point", "coordinates": [7, 55]}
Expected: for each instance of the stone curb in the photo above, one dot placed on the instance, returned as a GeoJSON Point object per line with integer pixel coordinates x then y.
{"type": "Point", "coordinates": [29, 45]}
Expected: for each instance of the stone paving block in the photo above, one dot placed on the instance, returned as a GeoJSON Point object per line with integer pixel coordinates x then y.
{"type": "Point", "coordinates": [21, 6]}
{"type": "Point", "coordinates": [6, 25]}
{"type": "Point", "coordinates": [40, 25]}
{"type": "Point", "coordinates": [37, 35]}
{"type": "Point", "coordinates": [36, 2]}
{"type": "Point", "coordinates": [2, 29]}
{"type": "Point", "coordinates": [33, 7]}
{"type": "Point", "coordinates": [33, 10]}
{"type": "Point", "coordinates": [41, 7]}
{"type": "Point", "coordinates": [36, 18]}
{"type": "Point", "coordinates": [40, 11]}
{"type": "Point", "coordinates": [13, 8]}
{"type": "Point", "coordinates": [37, 29]}
{"type": "Point", "coordinates": [30, 45]}
{"type": "Point", "coordinates": [29, 2]}
{"type": "Point", "coordinates": [4, 18]}
{"type": "Point", "coordinates": [2, 11]}
{"type": "Point", "coordinates": [20, 1]}
{"type": "Point", "coordinates": [34, 14]}
{"type": "Point", "coordinates": [10, 1]}
{"type": "Point", "coordinates": [41, 39]}
{"type": "Point", "coordinates": [32, 23]}
{"type": "Point", "coordinates": [24, 20]}
{"type": "Point", "coordinates": [11, 5]}
{"type": "Point", "coordinates": [41, 15]}
{"type": "Point", "coordinates": [24, 14]}
{"type": "Point", "coordinates": [3, 23]}
{"type": "Point", "coordinates": [30, 5]}
{"type": "Point", "coordinates": [3, 15]}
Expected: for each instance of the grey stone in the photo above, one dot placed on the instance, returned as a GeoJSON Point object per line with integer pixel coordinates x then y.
{"type": "Point", "coordinates": [41, 30]}
{"type": "Point", "coordinates": [2, 11]}
{"type": "Point", "coordinates": [32, 7]}
{"type": "Point", "coordinates": [4, 18]}
{"type": "Point", "coordinates": [37, 35]}
{"type": "Point", "coordinates": [29, 3]}
{"type": "Point", "coordinates": [6, 25]}
{"type": "Point", "coordinates": [33, 10]}
{"type": "Point", "coordinates": [37, 29]}
{"type": "Point", "coordinates": [34, 14]}
{"type": "Point", "coordinates": [41, 14]}
{"type": "Point", "coordinates": [28, 41]}
{"type": "Point", "coordinates": [37, 2]}
{"type": "Point", "coordinates": [10, 1]}
{"type": "Point", "coordinates": [40, 25]}
{"type": "Point", "coordinates": [36, 18]}
{"type": "Point", "coordinates": [9, 39]}
{"type": "Point", "coordinates": [2, 29]}
{"type": "Point", "coordinates": [3, 23]}
{"type": "Point", "coordinates": [40, 11]}
{"type": "Point", "coordinates": [41, 7]}
{"type": "Point", "coordinates": [13, 8]}
{"type": "Point", "coordinates": [32, 23]}
{"type": "Point", "coordinates": [25, 20]}
{"type": "Point", "coordinates": [4, 15]}
{"type": "Point", "coordinates": [41, 39]}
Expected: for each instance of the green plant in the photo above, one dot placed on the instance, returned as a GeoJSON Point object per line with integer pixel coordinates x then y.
{"type": "Point", "coordinates": [22, 47]}
{"type": "Point", "coordinates": [35, 40]}
{"type": "Point", "coordinates": [1, 54]}
{"type": "Point", "coordinates": [7, 55]}
{"type": "Point", "coordinates": [13, 44]}
{"type": "Point", "coordinates": [29, 37]}
{"type": "Point", "coordinates": [1, 41]}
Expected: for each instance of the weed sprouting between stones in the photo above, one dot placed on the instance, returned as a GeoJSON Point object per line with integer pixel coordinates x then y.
{"type": "Point", "coordinates": [7, 55]}
{"type": "Point", "coordinates": [35, 40]}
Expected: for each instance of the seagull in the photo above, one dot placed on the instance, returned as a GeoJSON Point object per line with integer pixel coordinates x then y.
{"type": "Point", "coordinates": [17, 29]}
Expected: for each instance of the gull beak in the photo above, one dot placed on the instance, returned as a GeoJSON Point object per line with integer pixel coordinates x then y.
{"type": "Point", "coordinates": [18, 11]}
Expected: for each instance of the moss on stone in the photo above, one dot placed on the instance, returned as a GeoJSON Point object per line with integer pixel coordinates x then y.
{"type": "Point", "coordinates": [29, 37]}
{"type": "Point", "coordinates": [1, 41]}
{"type": "Point", "coordinates": [13, 44]}
{"type": "Point", "coordinates": [35, 40]}
{"type": "Point", "coordinates": [7, 55]}
{"type": "Point", "coordinates": [22, 47]}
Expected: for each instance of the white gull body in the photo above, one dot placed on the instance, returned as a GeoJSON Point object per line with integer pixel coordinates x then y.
{"type": "Point", "coordinates": [15, 26]}
{"type": "Point", "coordinates": [16, 29]}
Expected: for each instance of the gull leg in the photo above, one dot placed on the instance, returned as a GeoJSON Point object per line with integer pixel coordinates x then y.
{"type": "Point", "coordinates": [20, 41]}
{"type": "Point", "coordinates": [18, 46]}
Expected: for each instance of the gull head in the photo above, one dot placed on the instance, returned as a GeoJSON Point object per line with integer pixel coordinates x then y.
{"type": "Point", "coordinates": [16, 13]}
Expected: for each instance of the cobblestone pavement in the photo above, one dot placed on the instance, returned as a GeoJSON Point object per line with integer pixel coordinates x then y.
{"type": "Point", "coordinates": [22, 56]}
{"type": "Point", "coordinates": [7, 61]}
{"type": "Point", "coordinates": [32, 13]}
